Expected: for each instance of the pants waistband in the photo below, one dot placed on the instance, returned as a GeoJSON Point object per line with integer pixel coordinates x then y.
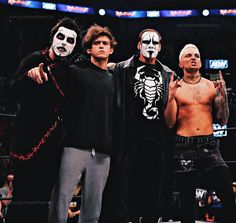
{"type": "Point", "coordinates": [194, 139]}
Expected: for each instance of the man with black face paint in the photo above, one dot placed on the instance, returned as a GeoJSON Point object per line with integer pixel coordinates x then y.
{"type": "Point", "coordinates": [38, 86]}
{"type": "Point", "coordinates": [142, 97]}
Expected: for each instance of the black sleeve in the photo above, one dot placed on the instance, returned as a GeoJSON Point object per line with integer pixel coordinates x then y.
{"type": "Point", "coordinates": [19, 84]}
{"type": "Point", "coordinates": [72, 95]}
{"type": "Point", "coordinates": [118, 73]}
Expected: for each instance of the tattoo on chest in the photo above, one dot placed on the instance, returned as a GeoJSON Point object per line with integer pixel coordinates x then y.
{"type": "Point", "coordinates": [196, 93]}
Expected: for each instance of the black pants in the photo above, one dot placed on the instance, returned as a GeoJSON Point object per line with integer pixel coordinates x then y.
{"type": "Point", "coordinates": [217, 178]}
{"type": "Point", "coordinates": [145, 182]}
{"type": "Point", "coordinates": [135, 186]}
{"type": "Point", "coordinates": [32, 187]}
{"type": "Point", "coordinates": [201, 155]}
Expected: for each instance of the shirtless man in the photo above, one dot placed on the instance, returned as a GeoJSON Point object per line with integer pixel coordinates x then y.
{"type": "Point", "coordinates": [193, 104]}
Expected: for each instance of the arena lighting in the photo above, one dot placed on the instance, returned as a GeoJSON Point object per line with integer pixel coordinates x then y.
{"type": "Point", "coordinates": [222, 12]}
{"type": "Point", "coordinates": [120, 14]}
{"type": "Point", "coordinates": [75, 9]}
{"type": "Point", "coordinates": [101, 12]}
{"type": "Point", "coordinates": [216, 64]}
{"type": "Point", "coordinates": [179, 13]}
{"type": "Point", "coordinates": [126, 14]}
{"type": "Point", "coordinates": [227, 12]}
{"type": "Point", "coordinates": [205, 12]}
{"type": "Point", "coordinates": [25, 3]}
{"type": "Point", "coordinates": [48, 6]}
{"type": "Point", "coordinates": [153, 13]}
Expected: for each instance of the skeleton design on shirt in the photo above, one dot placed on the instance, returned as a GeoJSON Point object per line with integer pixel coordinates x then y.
{"type": "Point", "coordinates": [149, 89]}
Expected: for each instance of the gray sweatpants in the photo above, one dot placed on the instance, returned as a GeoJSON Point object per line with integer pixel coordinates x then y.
{"type": "Point", "coordinates": [74, 163]}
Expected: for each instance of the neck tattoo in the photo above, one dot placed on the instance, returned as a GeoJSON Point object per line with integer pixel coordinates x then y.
{"type": "Point", "coordinates": [187, 82]}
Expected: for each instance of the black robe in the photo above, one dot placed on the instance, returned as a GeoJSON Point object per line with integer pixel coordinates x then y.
{"type": "Point", "coordinates": [36, 145]}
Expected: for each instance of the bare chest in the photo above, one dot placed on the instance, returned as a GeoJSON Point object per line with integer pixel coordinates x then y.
{"type": "Point", "coordinates": [194, 95]}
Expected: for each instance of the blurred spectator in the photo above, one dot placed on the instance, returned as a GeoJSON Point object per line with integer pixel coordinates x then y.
{"type": "Point", "coordinates": [1, 213]}
{"type": "Point", "coordinates": [6, 192]}
{"type": "Point", "coordinates": [234, 189]}
{"type": "Point", "coordinates": [213, 207]}
{"type": "Point", "coordinates": [74, 209]}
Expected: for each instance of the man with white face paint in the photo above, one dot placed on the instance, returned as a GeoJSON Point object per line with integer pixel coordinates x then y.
{"type": "Point", "coordinates": [38, 86]}
{"type": "Point", "coordinates": [142, 89]}
{"type": "Point", "coordinates": [62, 46]}
{"type": "Point", "coordinates": [150, 45]}
{"type": "Point", "coordinates": [64, 42]}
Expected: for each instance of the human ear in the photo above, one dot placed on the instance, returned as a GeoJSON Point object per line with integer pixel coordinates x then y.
{"type": "Point", "coordinates": [139, 46]}
{"type": "Point", "coordinates": [111, 51]}
{"type": "Point", "coordinates": [88, 51]}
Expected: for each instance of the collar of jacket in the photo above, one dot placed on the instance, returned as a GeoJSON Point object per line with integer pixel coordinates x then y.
{"type": "Point", "coordinates": [131, 63]}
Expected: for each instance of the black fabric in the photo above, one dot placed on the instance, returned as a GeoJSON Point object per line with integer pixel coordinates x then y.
{"type": "Point", "coordinates": [27, 213]}
{"type": "Point", "coordinates": [148, 90]}
{"type": "Point", "coordinates": [125, 72]}
{"type": "Point", "coordinates": [138, 155]}
{"type": "Point", "coordinates": [39, 104]}
{"type": "Point", "coordinates": [40, 107]}
{"type": "Point", "coordinates": [219, 179]}
{"type": "Point", "coordinates": [89, 108]}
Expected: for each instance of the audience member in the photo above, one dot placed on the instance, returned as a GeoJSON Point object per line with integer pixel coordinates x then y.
{"type": "Point", "coordinates": [6, 192]}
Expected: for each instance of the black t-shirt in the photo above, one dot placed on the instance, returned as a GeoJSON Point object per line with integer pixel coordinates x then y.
{"type": "Point", "coordinates": [148, 91]}
{"type": "Point", "coordinates": [89, 108]}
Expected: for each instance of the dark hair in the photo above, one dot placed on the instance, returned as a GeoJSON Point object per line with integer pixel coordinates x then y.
{"type": "Point", "coordinates": [67, 23]}
{"type": "Point", "coordinates": [149, 30]}
{"type": "Point", "coordinates": [95, 31]}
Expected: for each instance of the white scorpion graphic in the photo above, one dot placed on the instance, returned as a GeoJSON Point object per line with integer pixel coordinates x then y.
{"type": "Point", "coordinates": [152, 89]}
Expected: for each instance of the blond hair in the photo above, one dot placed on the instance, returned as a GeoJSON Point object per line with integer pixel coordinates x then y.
{"type": "Point", "coordinates": [190, 45]}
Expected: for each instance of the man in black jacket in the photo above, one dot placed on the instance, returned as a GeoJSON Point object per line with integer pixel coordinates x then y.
{"type": "Point", "coordinates": [38, 87]}
{"type": "Point", "coordinates": [142, 92]}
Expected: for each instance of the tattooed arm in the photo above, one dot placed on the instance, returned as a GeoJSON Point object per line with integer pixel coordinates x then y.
{"type": "Point", "coordinates": [221, 102]}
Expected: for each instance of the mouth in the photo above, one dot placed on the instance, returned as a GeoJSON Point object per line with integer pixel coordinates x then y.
{"type": "Point", "coordinates": [61, 49]}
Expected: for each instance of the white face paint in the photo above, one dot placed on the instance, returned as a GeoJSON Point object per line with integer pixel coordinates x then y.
{"type": "Point", "coordinates": [150, 44]}
{"type": "Point", "coordinates": [64, 42]}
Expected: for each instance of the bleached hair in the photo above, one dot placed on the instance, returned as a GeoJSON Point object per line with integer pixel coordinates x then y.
{"type": "Point", "coordinates": [190, 45]}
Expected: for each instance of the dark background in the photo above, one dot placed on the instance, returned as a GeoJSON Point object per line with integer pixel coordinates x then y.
{"type": "Point", "coordinates": [25, 30]}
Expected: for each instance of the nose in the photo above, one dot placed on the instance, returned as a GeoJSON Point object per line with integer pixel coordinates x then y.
{"type": "Point", "coordinates": [64, 42]}
{"type": "Point", "coordinates": [151, 45]}
{"type": "Point", "coordinates": [101, 45]}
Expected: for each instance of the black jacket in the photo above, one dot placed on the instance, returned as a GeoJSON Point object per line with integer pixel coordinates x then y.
{"type": "Point", "coordinates": [36, 126]}
{"type": "Point", "coordinates": [125, 72]}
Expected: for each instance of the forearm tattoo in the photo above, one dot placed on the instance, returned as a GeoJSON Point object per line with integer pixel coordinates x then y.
{"type": "Point", "coordinates": [221, 103]}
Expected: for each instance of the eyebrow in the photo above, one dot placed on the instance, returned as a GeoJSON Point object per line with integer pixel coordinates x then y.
{"type": "Point", "coordinates": [101, 41]}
